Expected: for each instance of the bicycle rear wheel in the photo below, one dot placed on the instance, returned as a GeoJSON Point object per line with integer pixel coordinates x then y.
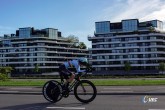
{"type": "Point", "coordinates": [52, 91]}
{"type": "Point", "coordinates": [85, 91]}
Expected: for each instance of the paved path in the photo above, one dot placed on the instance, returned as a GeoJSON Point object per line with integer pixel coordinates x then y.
{"type": "Point", "coordinates": [102, 90]}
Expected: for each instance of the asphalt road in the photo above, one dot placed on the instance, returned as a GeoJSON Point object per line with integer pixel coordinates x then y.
{"type": "Point", "coordinates": [108, 98]}
{"type": "Point", "coordinates": [102, 102]}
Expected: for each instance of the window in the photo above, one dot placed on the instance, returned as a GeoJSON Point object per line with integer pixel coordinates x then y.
{"type": "Point", "coordinates": [41, 49]}
{"type": "Point", "coordinates": [129, 25]}
{"type": "Point", "coordinates": [153, 49]}
{"type": "Point", "coordinates": [41, 44]}
{"type": "Point", "coordinates": [152, 38]}
{"type": "Point", "coordinates": [106, 57]}
{"type": "Point", "coordinates": [153, 43]}
{"type": "Point", "coordinates": [142, 49]}
{"type": "Point", "coordinates": [99, 57]}
{"type": "Point", "coordinates": [106, 46]}
{"type": "Point", "coordinates": [24, 32]}
{"type": "Point", "coordinates": [102, 27]}
{"type": "Point", "coordinates": [153, 55]}
{"type": "Point", "coordinates": [32, 49]}
{"type": "Point", "coordinates": [101, 46]}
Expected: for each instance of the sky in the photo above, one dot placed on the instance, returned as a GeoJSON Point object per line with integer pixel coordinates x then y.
{"type": "Point", "coordinates": [75, 17]}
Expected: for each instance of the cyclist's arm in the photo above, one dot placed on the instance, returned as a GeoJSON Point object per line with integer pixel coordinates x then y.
{"type": "Point", "coordinates": [78, 69]}
{"type": "Point", "coordinates": [67, 65]}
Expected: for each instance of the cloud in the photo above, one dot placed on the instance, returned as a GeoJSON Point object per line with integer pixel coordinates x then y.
{"type": "Point", "coordinates": [131, 9]}
{"type": "Point", "coordinates": [159, 14]}
{"type": "Point", "coordinates": [143, 10]}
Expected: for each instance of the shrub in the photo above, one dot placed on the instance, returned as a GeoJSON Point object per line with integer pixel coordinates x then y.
{"type": "Point", "coordinates": [4, 71]}
{"type": "Point", "coordinates": [3, 77]}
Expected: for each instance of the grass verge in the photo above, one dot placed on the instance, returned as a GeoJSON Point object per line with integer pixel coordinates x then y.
{"type": "Point", "coordinates": [101, 82]}
{"type": "Point", "coordinates": [140, 82]}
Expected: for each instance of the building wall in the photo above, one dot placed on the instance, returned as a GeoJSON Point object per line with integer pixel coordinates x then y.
{"type": "Point", "coordinates": [128, 41]}
{"type": "Point", "coordinates": [41, 50]}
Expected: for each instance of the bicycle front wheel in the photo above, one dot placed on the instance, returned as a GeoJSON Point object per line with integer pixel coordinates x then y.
{"type": "Point", "coordinates": [85, 91]}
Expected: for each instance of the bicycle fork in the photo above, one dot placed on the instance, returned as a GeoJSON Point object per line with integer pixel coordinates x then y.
{"type": "Point", "coordinates": [83, 88]}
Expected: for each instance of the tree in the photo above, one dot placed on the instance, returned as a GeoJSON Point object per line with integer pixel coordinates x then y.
{"type": "Point", "coordinates": [76, 44]}
{"type": "Point", "coordinates": [4, 71]}
{"type": "Point", "coordinates": [127, 67]}
{"type": "Point", "coordinates": [152, 29]}
{"type": "Point", "coordinates": [162, 67]}
{"type": "Point", "coordinates": [36, 68]}
{"type": "Point", "coordinates": [72, 38]}
{"type": "Point", "coordinates": [82, 45]}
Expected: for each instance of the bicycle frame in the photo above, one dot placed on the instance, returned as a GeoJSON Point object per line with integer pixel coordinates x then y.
{"type": "Point", "coordinates": [73, 84]}
{"type": "Point", "coordinates": [76, 80]}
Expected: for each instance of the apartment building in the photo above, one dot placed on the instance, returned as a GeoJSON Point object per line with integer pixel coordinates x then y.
{"type": "Point", "coordinates": [141, 44]}
{"type": "Point", "coordinates": [31, 50]}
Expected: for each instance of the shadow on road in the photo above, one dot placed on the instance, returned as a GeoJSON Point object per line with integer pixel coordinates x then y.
{"type": "Point", "coordinates": [40, 106]}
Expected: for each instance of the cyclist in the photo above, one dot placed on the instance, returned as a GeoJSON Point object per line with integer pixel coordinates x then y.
{"type": "Point", "coordinates": [67, 74]}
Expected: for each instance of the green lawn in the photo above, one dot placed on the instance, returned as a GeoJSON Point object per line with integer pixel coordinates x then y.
{"type": "Point", "coordinates": [22, 83]}
{"type": "Point", "coordinates": [101, 82]}
{"type": "Point", "coordinates": [139, 82]}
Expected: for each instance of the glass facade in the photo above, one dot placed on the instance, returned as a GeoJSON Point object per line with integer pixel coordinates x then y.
{"type": "Point", "coordinates": [6, 43]}
{"type": "Point", "coordinates": [158, 24]}
{"type": "Point", "coordinates": [25, 32]}
{"type": "Point", "coordinates": [52, 33]}
{"type": "Point", "coordinates": [102, 27]}
{"type": "Point", "coordinates": [130, 25]}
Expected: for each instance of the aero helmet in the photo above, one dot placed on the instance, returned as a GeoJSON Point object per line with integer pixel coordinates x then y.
{"type": "Point", "coordinates": [83, 60]}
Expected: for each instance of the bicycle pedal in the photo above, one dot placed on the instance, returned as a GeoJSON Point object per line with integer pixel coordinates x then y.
{"type": "Point", "coordinates": [66, 95]}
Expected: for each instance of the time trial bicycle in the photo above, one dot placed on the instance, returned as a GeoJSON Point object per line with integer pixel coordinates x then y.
{"type": "Point", "coordinates": [84, 90]}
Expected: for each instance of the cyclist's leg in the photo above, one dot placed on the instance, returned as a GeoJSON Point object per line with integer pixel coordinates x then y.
{"type": "Point", "coordinates": [61, 68]}
{"type": "Point", "coordinates": [65, 84]}
{"type": "Point", "coordinates": [68, 75]}
{"type": "Point", "coordinates": [72, 76]}
{"type": "Point", "coordinates": [64, 74]}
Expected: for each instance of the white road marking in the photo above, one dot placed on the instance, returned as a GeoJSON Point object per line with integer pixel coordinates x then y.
{"type": "Point", "coordinates": [115, 91]}
{"type": "Point", "coordinates": [156, 109]}
{"type": "Point", "coordinates": [70, 108]}
{"type": "Point", "coordinates": [161, 87]}
{"type": "Point", "coordinates": [9, 91]}
{"type": "Point", "coordinates": [21, 88]}
{"type": "Point", "coordinates": [117, 88]}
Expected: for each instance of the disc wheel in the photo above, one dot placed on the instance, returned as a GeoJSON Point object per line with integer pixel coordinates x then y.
{"type": "Point", "coordinates": [50, 92]}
